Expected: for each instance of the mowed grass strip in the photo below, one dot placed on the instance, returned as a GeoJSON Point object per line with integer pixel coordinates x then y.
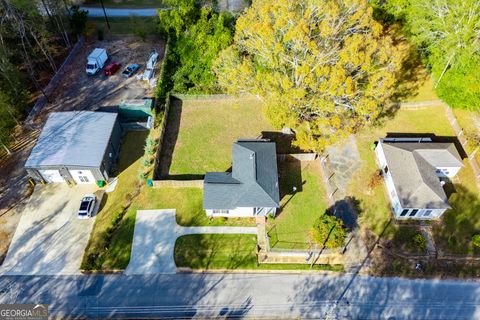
{"type": "Point", "coordinates": [300, 208]}
{"type": "Point", "coordinates": [228, 251]}
{"type": "Point", "coordinates": [188, 205]}
{"type": "Point", "coordinates": [118, 253]}
{"type": "Point", "coordinates": [207, 130]}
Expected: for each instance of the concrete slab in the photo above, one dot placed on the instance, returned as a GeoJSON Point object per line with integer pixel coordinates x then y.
{"type": "Point", "coordinates": [50, 239]}
{"type": "Point", "coordinates": [154, 241]}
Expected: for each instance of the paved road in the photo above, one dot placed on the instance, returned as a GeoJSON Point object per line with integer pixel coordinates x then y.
{"type": "Point", "coordinates": [116, 12]}
{"type": "Point", "coordinates": [245, 295]}
{"type": "Point", "coordinates": [154, 240]}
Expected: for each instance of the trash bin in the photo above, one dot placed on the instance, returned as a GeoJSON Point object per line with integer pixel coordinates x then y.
{"type": "Point", "coordinates": [150, 182]}
{"type": "Point", "coordinates": [100, 183]}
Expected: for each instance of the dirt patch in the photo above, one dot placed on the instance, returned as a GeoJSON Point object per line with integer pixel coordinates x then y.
{"type": "Point", "coordinates": [78, 91]}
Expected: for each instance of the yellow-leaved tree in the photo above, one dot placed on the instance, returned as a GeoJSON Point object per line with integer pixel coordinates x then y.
{"type": "Point", "coordinates": [324, 68]}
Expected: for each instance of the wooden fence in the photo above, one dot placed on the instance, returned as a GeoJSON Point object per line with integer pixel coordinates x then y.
{"type": "Point", "coordinates": [297, 156]}
{"type": "Point", "coordinates": [177, 184]}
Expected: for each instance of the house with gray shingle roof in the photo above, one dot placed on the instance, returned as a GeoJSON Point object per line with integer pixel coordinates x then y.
{"type": "Point", "coordinates": [251, 189]}
{"type": "Point", "coordinates": [415, 170]}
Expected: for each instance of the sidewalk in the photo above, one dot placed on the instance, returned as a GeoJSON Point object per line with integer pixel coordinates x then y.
{"type": "Point", "coordinates": [156, 232]}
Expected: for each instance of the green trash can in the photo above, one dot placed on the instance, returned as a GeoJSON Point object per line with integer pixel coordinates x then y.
{"type": "Point", "coordinates": [100, 183]}
{"type": "Point", "coordinates": [150, 182]}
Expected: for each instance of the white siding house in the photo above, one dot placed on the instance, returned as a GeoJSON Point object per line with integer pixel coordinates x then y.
{"type": "Point", "coordinates": [251, 189]}
{"type": "Point", "coordinates": [414, 170]}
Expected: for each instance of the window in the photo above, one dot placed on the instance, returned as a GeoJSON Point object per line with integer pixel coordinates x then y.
{"type": "Point", "coordinates": [413, 213]}
{"type": "Point", "coordinates": [427, 213]}
{"type": "Point", "coordinates": [404, 212]}
{"type": "Point", "coordinates": [219, 211]}
{"type": "Point", "coordinates": [83, 179]}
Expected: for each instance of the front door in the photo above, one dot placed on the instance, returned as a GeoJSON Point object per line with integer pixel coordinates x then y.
{"type": "Point", "coordinates": [83, 176]}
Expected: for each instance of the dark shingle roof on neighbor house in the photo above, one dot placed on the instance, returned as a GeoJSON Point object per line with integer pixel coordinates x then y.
{"type": "Point", "coordinates": [75, 138]}
{"type": "Point", "coordinates": [412, 167]}
{"type": "Point", "coordinates": [253, 181]}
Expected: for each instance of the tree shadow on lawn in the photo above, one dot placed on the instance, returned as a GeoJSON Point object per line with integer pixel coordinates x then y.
{"type": "Point", "coordinates": [283, 142]}
{"type": "Point", "coordinates": [454, 232]}
{"type": "Point", "coordinates": [131, 150]}
{"type": "Point", "coordinates": [290, 178]}
{"type": "Point", "coordinates": [170, 138]}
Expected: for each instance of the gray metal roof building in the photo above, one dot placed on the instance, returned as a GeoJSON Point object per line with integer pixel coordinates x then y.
{"type": "Point", "coordinates": [253, 181]}
{"type": "Point", "coordinates": [73, 142]}
{"type": "Point", "coordinates": [413, 170]}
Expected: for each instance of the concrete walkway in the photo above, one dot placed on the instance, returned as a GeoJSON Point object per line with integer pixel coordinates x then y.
{"type": "Point", "coordinates": [125, 12]}
{"type": "Point", "coordinates": [154, 241]}
{"type": "Point", "coordinates": [342, 162]}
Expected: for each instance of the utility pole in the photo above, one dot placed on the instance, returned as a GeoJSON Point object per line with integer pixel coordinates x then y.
{"type": "Point", "coordinates": [105, 14]}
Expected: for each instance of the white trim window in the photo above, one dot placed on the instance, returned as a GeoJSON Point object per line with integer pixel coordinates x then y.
{"type": "Point", "coordinates": [427, 213]}
{"type": "Point", "coordinates": [219, 211]}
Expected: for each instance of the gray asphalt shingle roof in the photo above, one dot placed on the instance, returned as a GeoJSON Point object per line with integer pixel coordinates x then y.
{"type": "Point", "coordinates": [412, 167]}
{"type": "Point", "coordinates": [253, 181]}
{"type": "Point", "coordinates": [76, 138]}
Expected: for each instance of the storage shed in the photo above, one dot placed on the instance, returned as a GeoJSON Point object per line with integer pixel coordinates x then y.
{"type": "Point", "coordinates": [77, 147]}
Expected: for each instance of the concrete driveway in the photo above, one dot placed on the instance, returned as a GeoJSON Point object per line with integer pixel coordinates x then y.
{"type": "Point", "coordinates": [49, 238]}
{"type": "Point", "coordinates": [154, 240]}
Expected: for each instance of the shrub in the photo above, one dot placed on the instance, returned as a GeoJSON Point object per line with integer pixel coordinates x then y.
{"type": "Point", "coordinates": [329, 231]}
{"type": "Point", "coordinates": [419, 242]}
{"type": "Point", "coordinates": [476, 240]}
{"type": "Point", "coordinates": [142, 176]}
{"type": "Point", "coordinates": [375, 180]}
{"type": "Point", "coordinates": [146, 162]}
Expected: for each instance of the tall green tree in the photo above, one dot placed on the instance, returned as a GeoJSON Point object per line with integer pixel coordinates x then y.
{"type": "Point", "coordinates": [448, 34]}
{"type": "Point", "coordinates": [197, 48]}
{"type": "Point", "coordinates": [324, 68]}
{"type": "Point", "coordinates": [197, 34]}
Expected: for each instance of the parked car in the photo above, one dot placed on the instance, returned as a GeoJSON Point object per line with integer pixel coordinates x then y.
{"type": "Point", "coordinates": [130, 70]}
{"type": "Point", "coordinates": [86, 206]}
{"type": "Point", "coordinates": [96, 60]}
{"type": "Point", "coordinates": [112, 68]}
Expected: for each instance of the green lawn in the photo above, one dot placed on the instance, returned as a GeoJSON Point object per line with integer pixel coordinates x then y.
{"type": "Point", "coordinates": [138, 4]}
{"type": "Point", "coordinates": [374, 204]}
{"type": "Point", "coordinates": [228, 251]}
{"type": "Point", "coordinates": [208, 129]}
{"type": "Point", "coordinates": [424, 91]}
{"type": "Point", "coordinates": [188, 203]}
{"type": "Point", "coordinates": [291, 227]}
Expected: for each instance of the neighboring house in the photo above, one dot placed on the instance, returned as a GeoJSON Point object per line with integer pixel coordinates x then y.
{"type": "Point", "coordinates": [415, 170]}
{"type": "Point", "coordinates": [251, 189]}
{"type": "Point", "coordinates": [77, 147]}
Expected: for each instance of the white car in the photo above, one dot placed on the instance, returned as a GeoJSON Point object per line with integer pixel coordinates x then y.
{"type": "Point", "coordinates": [86, 206]}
